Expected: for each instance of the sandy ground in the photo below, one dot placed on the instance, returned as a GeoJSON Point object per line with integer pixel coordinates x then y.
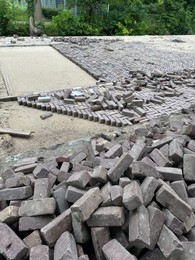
{"type": "Point", "coordinates": [32, 69]}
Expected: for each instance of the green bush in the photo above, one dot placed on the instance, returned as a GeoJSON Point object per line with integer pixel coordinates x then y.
{"type": "Point", "coordinates": [50, 12]}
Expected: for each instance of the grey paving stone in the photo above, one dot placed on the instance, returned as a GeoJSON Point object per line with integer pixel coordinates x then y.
{"type": "Point", "coordinates": [9, 215]}
{"type": "Point", "coordinates": [16, 193]}
{"type": "Point", "coordinates": [159, 143]}
{"type": "Point", "coordinates": [142, 169]}
{"type": "Point", "coordinates": [73, 194]}
{"type": "Point", "coordinates": [159, 158]}
{"type": "Point", "coordinates": [132, 196]}
{"type": "Point", "coordinates": [106, 195]}
{"type": "Point", "coordinates": [180, 188]}
{"type": "Point", "coordinates": [79, 179]}
{"type": "Point", "coordinates": [115, 151]}
{"type": "Point", "coordinates": [176, 151]}
{"type": "Point", "coordinates": [189, 167]}
{"type": "Point", "coordinates": [41, 171]}
{"type": "Point", "coordinates": [188, 251]}
{"type": "Point", "coordinates": [42, 188]}
{"type": "Point", "coordinates": [40, 252]}
{"type": "Point", "coordinates": [148, 188]}
{"type": "Point", "coordinates": [116, 193]}
{"type": "Point", "coordinates": [61, 202]}
{"type": "Point", "coordinates": [138, 149]}
{"type": "Point", "coordinates": [170, 173]}
{"type": "Point", "coordinates": [34, 239]}
{"type": "Point", "coordinates": [33, 223]}
{"type": "Point", "coordinates": [173, 223]}
{"type": "Point", "coordinates": [99, 174]}
{"type": "Point", "coordinates": [80, 231]}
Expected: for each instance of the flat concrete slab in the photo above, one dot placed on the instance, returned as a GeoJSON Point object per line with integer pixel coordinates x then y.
{"type": "Point", "coordinates": [40, 69]}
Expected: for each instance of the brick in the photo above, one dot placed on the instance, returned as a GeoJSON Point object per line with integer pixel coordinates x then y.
{"type": "Point", "coordinates": [42, 188]}
{"type": "Point", "coordinates": [34, 239]}
{"type": "Point", "coordinates": [159, 143]}
{"type": "Point", "coordinates": [61, 202]}
{"type": "Point", "coordinates": [170, 174]}
{"type": "Point", "coordinates": [113, 250]}
{"type": "Point", "coordinates": [142, 169]}
{"type": "Point", "coordinates": [159, 158]}
{"type": "Point", "coordinates": [120, 167]}
{"type": "Point", "coordinates": [169, 199]}
{"type": "Point", "coordinates": [33, 223]}
{"type": "Point", "coordinates": [138, 149]}
{"type": "Point", "coordinates": [115, 151]}
{"type": "Point", "coordinates": [79, 179]}
{"type": "Point", "coordinates": [17, 181]}
{"type": "Point", "coordinates": [80, 231]}
{"type": "Point", "coordinates": [157, 219]}
{"type": "Point", "coordinates": [107, 216]}
{"type": "Point", "coordinates": [180, 188]}
{"type": "Point", "coordinates": [99, 174]}
{"type": "Point", "coordinates": [73, 194]}
{"type": "Point", "coordinates": [132, 196]}
{"type": "Point", "coordinates": [79, 158]}
{"type": "Point", "coordinates": [83, 208]}
{"type": "Point", "coordinates": [9, 215]}
{"type": "Point", "coordinates": [37, 207]}
{"type": "Point", "coordinates": [65, 247]}
{"type": "Point", "coordinates": [53, 230]}
{"type": "Point", "coordinates": [16, 193]}
{"type": "Point", "coordinates": [100, 236]}
{"type": "Point", "coordinates": [176, 151]}
{"type": "Point", "coordinates": [40, 252]}
{"type": "Point", "coordinates": [116, 193]}
{"type": "Point", "coordinates": [148, 188]}
{"type": "Point", "coordinates": [169, 244]}
{"type": "Point", "coordinates": [139, 228]}
{"type": "Point", "coordinates": [41, 171]}
{"type": "Point", "coordinates": [189, 167]}
{"type": "Point", "coordinates": [173, 223]}
{"type": "Point", "coordinates": [127, 112]}
{"type": "Point", "coordinates": [11, 246]}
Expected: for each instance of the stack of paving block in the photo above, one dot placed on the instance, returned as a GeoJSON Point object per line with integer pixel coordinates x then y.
{"type": "Point", "coordinates": [120, 197]}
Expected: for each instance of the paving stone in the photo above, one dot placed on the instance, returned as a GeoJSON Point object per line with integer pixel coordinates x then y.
{"type": "Point", "coordinates": [41, 171]}
{"type": "Point", "coordinates": [153, 255]}
{"type": "Point", "coordinates": [124, 181]}
{"type": "Point", "coordinates": [79, 179]}
{"type": "Point", "coordinates": [106, 195]}
{"type": "Point", "coordinates": [65, 247]}
{"type": "Point", "coordinates": [138, 149]}
{"type": "Point", "coordinates": [157, 219]}
{"type": "Point", "coordinates": [80, 231]}
{"type": "Point", "coordinates": [26, 168]}
{"type": "Point", "coordinates": [191, 145]}
{"type": "Point", "coordinates": [142, 169]}
{"type": "Point", "coordinates": [191, 235]}
{"type": "Point", "coordinates": [9, 215]}
{"type": "Point", "coordinates": [116, 150]}
{"type": "Point", "coordinates": [79, 158]}
{"type": "Point", "coordinates": [139, 228]}
{"type": "Point", "coordinates": [132, 196]}
{"type": "Point", "coordinates": [99, 174]}
{"type": "Point", "coordinates": [191, 189]}
{"type": "Point", "coordinates": [113, 250]}
{"type": "Point", "coordinates": [84, 257]}
{"type": "Point", "coordinates": [169, 244]}
{"type": "Point", "coordinates": [16, 193]}
{"type": "Point", "coordinates": [176, 151]}
{"type": "Point", "coordinates": [42, 188]}
{"type": "Point", "coordinates": [17, 181]}
{"type": "Point", "coordinates": [189, 167]}
{"type": "Point", "coordinates": [169, 199]}
{"type": "Point", "coordinates": [33, 223]}
{"type": "Point", "coordinates": [173, 223]}
{"type": "Point", "coordinates": [188, 251]}
{"type": "Point", "coordinates": [180, 188]}
{"type": "Point", "coordinates": [170, 174]}
{"type": "Point", "coordinates": [120, 236]}
{"type": "Point", "coordinates": [34, 239]}
{"type": "Point", "coordinates": [107, 216]}
{"type": "Point", "coordinates": [37, 207]}
{"type": "Point", "coordinates": [73, 194]}
{"type": "Point", "coordinates": [61, 202]}
{"type": "Point", "coordinates": [120, 167]}
{"type": "Point", "coordinates": [159, 158]}
{"type": "Point", "coordinates": [40, 252]}
{"type": "Point", "coordinates": [11, 246]}
{"type": "Point", "coordinates": [87, 204]}
{"type": "Point", "coordinates": [159, 143]}
{"type": "Point", "coordinates": [53, 230]}
{"type": "Point", "coordinates": [188, 223]}
{"type": "Point", "coordinates": [116, 193]}
{"type": "Point", "coordinates": [148, 188]}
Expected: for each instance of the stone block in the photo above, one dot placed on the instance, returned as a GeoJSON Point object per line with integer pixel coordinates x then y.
{"type": "Point", "coordinates": [176, 151]}
{"type": "Point", "coordinates": [99, 174]}
{"type": "Point", "coordinates": [26, 168]}
{"type": "Point", "coordinates": [113, 250]}
{"type": "Point", "coordinates": [100, 236]}
{"type": "Point", "coordinates": [106, 195]}
{"type": "Point", "coordinates": [116, 193]}
{"type": "Point", "coordinates": [17, 181]}
{"type": "Point", "coordinates": [79, 158]}
{"type": "Point", "coordinates": [115, 151]}
{"type": "Point", "coordinates": [65, 247]}
{"type": "Point", "coordinates": [148, 188]}
{"type": "Point", "coordinates": [141, 170]}
{"type": "Point", "coordinates": [9, 215]}
{"type": "Point", "coordinates": [159, 158]}
{"type": "Point", "coordinates": [107, 217]}
{"type": "Point", "coordinates": [191, 189]}
{"type": "Point", "coordinates": [156, 254]}
{"type": "Point", "coordinates": [37, 207]}
{"type": "Point", "coordinates": [41, 171]}
{"type": "Point", "coordinates": [42, 188]}
{"type": "Point", "coordinates": [132, 196]}
{"type": "Point", "coordinates": [139, 228]}
{"type": "Point", "coordinates": [16, 193]}
{"type": "Point", "coordinates": [53, 230]}
{"type": "Point", "coordinates": [188, 251]}
{"type": "Point", "coordinates": [173, 223]}
{"type": "Point", "coordinates": [84, 257]}
{"type": "Point", "coordinates": [80, 231]}
{"type": "Point", "coordinates": [79, 179]}
{"type": "Point", "coordinates": [120, 167]}
{"type": "Point", "coordinates": [189, 167]}
{"type": "Point", "coordinates": [138, 149]}
{"type": "Point", "coordinates": [191, 145]}
{"type": "Point", "coordinates": [165, 150]}
{"type": "Point", "coordinates": [83, 208]}
{"type": "Point", "coordinates": [73, 194]}
{"type": "Point", "coordinates": [159, 143]}
{"type": "Point", "coordinates": [34, 239]}
{"type": "Point", "coordinates": [170, 173]}
{"type": "Point", "coordinates": [33, 223]}
{"type": "Point", "coordinates": [61, 202]}
{"type": "Point", "coordinates": [40, 252]}
{"type": "Point", "coordinates": [120, 236]}
{"type": "Point", "coordinates": [124, 181]}
{"type": "Point", "coordinates": [11, 246]}
{"type": "Point", "coordinates": [180, 188]}
{"type": "Point", "coordinates": [170, 200]}
{"type": "Point", "coordinates": [169, 244]}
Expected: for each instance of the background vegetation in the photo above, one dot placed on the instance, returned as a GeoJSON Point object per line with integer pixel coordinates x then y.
{"type": "Point", "coordinates": [103, 17]}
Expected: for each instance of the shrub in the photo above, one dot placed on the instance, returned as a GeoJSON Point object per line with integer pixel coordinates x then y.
{"type": "Point", "coordinates": [50, 12]}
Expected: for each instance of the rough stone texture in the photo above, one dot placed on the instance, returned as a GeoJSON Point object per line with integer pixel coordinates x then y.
{"type": "Point", "coordinates": [173, 223]}
{"type": "Point", "coordinates": [148, 188]}
{"type": "Point", "coordinates": [33, 223]}
{"type": "Point", "coordinates": [42, 188]}
{"type": "Point", "coordinates": [11, 246]}
{"type": "Point", "coordinates": [79, 179]}
{"type": "Point", "coordinates": [99, 174]}
{"type": "Point", "coordinates": [188, 251]}
{"type": "Point", "coordinates": [176, 151]}
{"type": "Point", "coordinates": [180, 188]}
{"type": "Point", "coordinates": [9, 215]}
{"type": "Point", "coordinates": [159, 158]}
{"type": "Point", "coordinates": [170, 174]}
{"type": "Point", "coordinates": [40, 252]}
{"type": "Point", "coordinates": [65, 247]}
{"type": "Point", "coordinates": [132, 196]}
{"type": "Point", "coordinates": [34, 239]}
{"type": "Point", "coordinates": [116, 193]}
{"type": "Point", "coordinates": [73, 194]}
{"type": "Point", "coordinates": [138, 149]}
{"type": "Point", "coordinates": [87, 204]}
{"type": "Point", "coordinates": [41, 171]}
{"type": "Point", "coordinates": [80, 231]}
{"type": "Point", "coordinates": [189, 167]}
{"type": "Point", "coordinates": [142, 169]}
{"type": "Point", "coordinates": [16, 193]}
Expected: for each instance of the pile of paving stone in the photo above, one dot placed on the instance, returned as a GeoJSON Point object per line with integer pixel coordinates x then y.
{"type": "Point", "coordinates": [139, 97]}
{"type": "Point", "coordinates": [120, 197]}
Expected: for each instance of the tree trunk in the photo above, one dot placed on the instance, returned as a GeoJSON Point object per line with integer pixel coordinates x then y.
{"type": "Point", "coordinates": [38, 10]}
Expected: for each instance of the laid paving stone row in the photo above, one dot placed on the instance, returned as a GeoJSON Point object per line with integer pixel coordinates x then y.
{"type": "Point", "coordinates": [140, 97]}
{"type": "Point", "coordinates": [128, 196]}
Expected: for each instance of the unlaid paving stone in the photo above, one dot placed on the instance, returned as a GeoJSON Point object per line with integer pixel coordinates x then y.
{"type": "Point", "coordinates": [40, 252]}
{"type": "Point", "coordinates": [42, 188]}
{"type": "Point", "coordinates": [188, 251]}
{"type": "Point", "coordinates": [113, 250]}
{"type": "Point", "coordinates": [61, 202]}
{"type": "Point", "coordinates": [16, 193]}
{"type": "Point", "coordinates": [120, 167]}
{"type": "Point", "coordinates": [159, 143]}
{"type": "Point", "coordinates": [176, 151]}
{"type": "Point", "coordinates": [138, 149]}
{"type": "Point", "coordinates": [189, 223]}
{"type": "Point", "coordinates": [159, 158]}
{"type": "Point", "coordinates": [173, 223]}
{"type": "Point", "coordinates": [79, 179]}
{"type": "Point", "coordinates": [169, 244]}
{"type": "Point", "coordinates": [106, 195]}
{"type": "Point", "coordinates": [180, 188]}
{"type": "Point", "coordinates": [73, 194]}
{"type": "Point", "coordinates": [107, 216]}
{"type": "Point", "coordinates": [157, 219]}
{"type": "Point", "coordinates": [100, 236]}
{"type": "Point", "coordinates": [80, 231]}
{"type": "Point", "coordinates": [26, 168]}
{"type": "Point", "coordinates": [139, 228]}
{"type": "Point", "coordinates": [17, 181]}
{"type": "Point", "coordinates": [84, 257]}
{"type": "Point", "coordinates": [191, 145]}
{"type": "Point", "coordinates": [83, 208]}
{"type": "Point", "coordinates": [141, 169]}
{"type": "Point", "coordinates": [170, 200]}
{"type": "Point", "coordinates": [79, 158]}
{"type": "Point", "coordinates": [53, 230]}
{"type": "Point", "coordinates": [37, 207]}
{"type": "Point", "coordinates": [116, 150]}
{"type": "Point", "coordinates": [116, 193]}
{"type": "Point", "coordinates": [148, 188]}
{"type": "Point", "coordinates": [65, 247]}
{"type": "Point", "coordinates": [11, 246]}
{"type": "Point", "coordinates": [34, 239]}
{"type": "Point", "coordinates": [9, 215]}
{"type": "Point", "coordinates": [191, 189]}
{"type": "Point", "coordinates": [123, 181]}
{"type": "Point", "coordinates": [99, 174]}
{"type": "Point", "coordinates": [132, 196]}
{"type": "Point", "coordinates": [41, 171]}
{"type": "Point", "coordinates": [170, 173]}
{"type": "Point", "coordinates": [156, 254]}
{"type": "Point", "coordinates": [33, 223]}
{"type": "Point", "coordinates": [189, 167]}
